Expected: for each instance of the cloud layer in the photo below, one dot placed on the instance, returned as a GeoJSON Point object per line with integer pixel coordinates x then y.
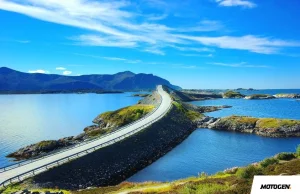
{"type": "Point", "coordinates": [242, 3]}
{"type": "Point", "coordinates": [121, 24]}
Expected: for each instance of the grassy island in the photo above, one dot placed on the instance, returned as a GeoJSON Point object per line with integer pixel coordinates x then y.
{"type": "Point", "coordinates": [124, 116]}
{"type": "Point", "coordinates": [259, 96]}
{"type": "Point", "coordinates": [233, 94]}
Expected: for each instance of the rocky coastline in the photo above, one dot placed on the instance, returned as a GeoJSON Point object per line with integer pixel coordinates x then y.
{"type": "Point", "coordinates": [268, 127]}
{"type": "Point", "coordinates": [115, 163]}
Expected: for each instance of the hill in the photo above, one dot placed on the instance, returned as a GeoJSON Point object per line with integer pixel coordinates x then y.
{"type": "Point", "coordinates": [12, 81]}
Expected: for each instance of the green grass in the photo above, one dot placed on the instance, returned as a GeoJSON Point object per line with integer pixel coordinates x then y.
{"type": "Point", "coordinates": [45, 144]}
{"type": "Point", "coordinates": [248, 172]}
{"type": "Point", "coordinates": [285, 156]}
{"type": "Point", "coordinates": [269, 161]}
{"type": "Point", "coordinates": [232, 94]}
{"type": "Point", "coordinates": [192, 115]}
{"type": "Point", "coordinates": [22, 186]}
{"type": "Point", "coordinates": [208, 188]}
{"type": "Point", "coordinates": [259, 96]}
{"type": "Point", "coordinates": [267, 123]}
{"type": "Point", "coordinates": [126, 115]}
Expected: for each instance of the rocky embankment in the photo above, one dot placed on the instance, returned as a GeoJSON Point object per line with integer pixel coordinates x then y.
{"type": "Point", "coordinates": [191, 95]}
{"type": "Point", "coordinates": [140, 95]}
{"type": "Point", "coordinates": [259, 96]}
{"type": "Point", "coordinates": [32, 191]}
{"type": "Point", "coordinates": [269, 127]}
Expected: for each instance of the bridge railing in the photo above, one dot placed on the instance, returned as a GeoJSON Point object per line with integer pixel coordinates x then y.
{"type": "Point", "coordinates": [43, 168]}
{"type": "Point", "coordinates": [18, 164]}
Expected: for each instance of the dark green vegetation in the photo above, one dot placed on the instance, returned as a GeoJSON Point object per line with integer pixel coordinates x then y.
{"type": "Point", "coordinates": [140, 95]}
{"type": "Point", "coordinates": [262, 126]}
{"type": "Point", "coordinates": [12, 81]}
{"type": "Point", "coordinates": [232, 94]}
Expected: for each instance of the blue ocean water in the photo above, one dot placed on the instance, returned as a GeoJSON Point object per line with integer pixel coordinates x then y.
{"type": "Point", "coordinates": [27, 119]}
{"type": "Point", "coordinates": [278, 108]}
{"type": "Point", "coordinates": [211, 151]}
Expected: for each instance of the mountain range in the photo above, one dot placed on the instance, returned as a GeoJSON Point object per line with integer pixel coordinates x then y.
{"type": "Point", "coordinates": [12, 81]}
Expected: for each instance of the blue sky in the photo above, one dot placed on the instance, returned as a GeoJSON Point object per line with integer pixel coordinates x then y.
{"type": "Point", "coordinates": [192, 43]}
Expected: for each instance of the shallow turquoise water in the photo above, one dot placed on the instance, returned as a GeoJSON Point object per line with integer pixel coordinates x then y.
{"type": "Point", "coordinates": [27, 119]}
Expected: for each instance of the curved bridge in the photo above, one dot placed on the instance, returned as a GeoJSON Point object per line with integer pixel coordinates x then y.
{"type": "Point", "coordinates": [20, 171]}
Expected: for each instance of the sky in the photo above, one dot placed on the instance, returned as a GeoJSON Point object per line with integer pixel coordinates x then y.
{"type": "Point", "coordinates": [198, 44]}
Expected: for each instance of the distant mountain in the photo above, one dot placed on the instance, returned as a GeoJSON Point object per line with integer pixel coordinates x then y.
{"type": "Point", "coordinates": [12, 81]}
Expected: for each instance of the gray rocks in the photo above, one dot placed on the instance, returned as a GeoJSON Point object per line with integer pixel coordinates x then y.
{"type": "Point", "coordinates": [37, 192]}
{"type": "Point", "coordinates": [287, 95]}
{"type": "Point", "coordinates": [261, 126]}
{"type": "Point", "coordinates": [152, 99]}
{"type": "Point", "coordinates": [41, 148]}
{"type": "Point", "coordinates": [259, 96]}
{"type": "Point", "coordinates": [140, 95]}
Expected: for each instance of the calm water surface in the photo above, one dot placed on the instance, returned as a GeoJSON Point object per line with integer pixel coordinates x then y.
{"type": "Point", "coordinates": [278, 108]}
{"type": "Point", "coordinates": [27, 119]}
{"type": "Point", "coordinates": [211, 151]}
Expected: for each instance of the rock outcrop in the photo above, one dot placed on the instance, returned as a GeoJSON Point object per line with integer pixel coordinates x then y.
{"type": "Point", "coordinates": [269, 127]}
{"type": "Point", "coordinates": [287, 95]}
{"type": "Point", "coordinates": [232, 94]}
{"type": "Point", "coordinates": [259, 96]}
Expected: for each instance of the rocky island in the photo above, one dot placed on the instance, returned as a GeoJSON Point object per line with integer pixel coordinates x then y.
{"type": "Point", "coordinates": [287, 95]}
{"type": "Point", "coordinates": [232, 94]}
{"type": "Point", "coordinates": [122, 159]}
{"type": "Point", "coordinates": [269, 127]}
{"type": "Point", "coordinates": [259, 96]}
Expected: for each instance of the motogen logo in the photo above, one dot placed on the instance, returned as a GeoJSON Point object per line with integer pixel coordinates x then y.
{"type": "Point", "coordinates": [275, 186]}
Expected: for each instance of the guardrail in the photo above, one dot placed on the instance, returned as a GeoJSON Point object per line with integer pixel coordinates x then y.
{"type": "Point", "coordinates": [16, 165]}
{"type": "Point", "coordinates": [43, 168]}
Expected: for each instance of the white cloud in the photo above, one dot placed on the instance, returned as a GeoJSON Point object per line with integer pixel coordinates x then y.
{"type": "Point", "coordinates": [154, 50]}
{"type": "Point", "coordinates": [157, 17]}
{"type": "Point", "coordinates": [22, 41]}
{"type": "Point", "coordinates": [67, 72]}
{"type": "Point", "coordinates": [120, 24]}
{"type": "Point", "coordinates": [60, 68]}
{"type": "Point", "coordinates": [241, 64]}
{"type": "Point", "coordinates": [38, 71]}
{"type": "Point", "coordinates": [114, 59]}
{"type": "Point", "coordinates": [242, 3]}
{"type": "Point", "coordinates": [203, 26]}
{"type": "Point", "coordinates": [200, 49]}
{"type": "Point", "coordinates": [251, 43]}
